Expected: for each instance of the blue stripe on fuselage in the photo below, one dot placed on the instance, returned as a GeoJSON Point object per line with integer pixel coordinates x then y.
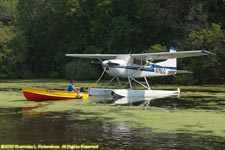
{"type": "Point", "coordinates": [151, 69]}
{"type": "Point", "coordinates": [165, 67]}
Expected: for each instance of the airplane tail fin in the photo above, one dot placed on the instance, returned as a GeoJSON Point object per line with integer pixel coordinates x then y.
{"type": "Point", "coordinates": [170, 63]}
{"type": "Point", "coordinates": [173, 49]}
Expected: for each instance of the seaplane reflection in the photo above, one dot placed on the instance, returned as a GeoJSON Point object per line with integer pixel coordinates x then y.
{"type": "Point", "coordinates": [145, 101]}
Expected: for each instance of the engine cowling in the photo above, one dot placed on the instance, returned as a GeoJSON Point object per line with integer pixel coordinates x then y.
{"type": "Point", "coordinates": [115, 67]}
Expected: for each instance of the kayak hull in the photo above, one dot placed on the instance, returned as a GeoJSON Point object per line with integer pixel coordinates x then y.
{"type": "Point", "coordinates": [33, 94]}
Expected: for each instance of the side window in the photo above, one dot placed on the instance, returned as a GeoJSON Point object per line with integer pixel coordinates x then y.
{"type": "Point", "coordinates": [139, 62]}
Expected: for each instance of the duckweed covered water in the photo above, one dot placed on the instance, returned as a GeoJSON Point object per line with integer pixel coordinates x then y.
{"type": "Point", "coordinates": [194, 121]}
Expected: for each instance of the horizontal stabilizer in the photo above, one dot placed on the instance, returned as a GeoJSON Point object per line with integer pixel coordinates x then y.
{"type": "Point", "coordinates": [179, 71]}
{"type": "Point", "coordinates": [184, 71]}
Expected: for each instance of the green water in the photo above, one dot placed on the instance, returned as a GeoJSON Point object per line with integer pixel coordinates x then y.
{"type": "Point", "coordinates": [196, 120]}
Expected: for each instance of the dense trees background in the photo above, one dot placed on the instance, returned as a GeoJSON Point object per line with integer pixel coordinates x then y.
{"type": "Point", "coordinates": [35, 35]}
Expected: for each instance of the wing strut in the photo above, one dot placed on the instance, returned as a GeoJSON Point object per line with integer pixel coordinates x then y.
{"type": "Point", "coordinates": [109, 82]}
{"type": "Point", "coordinates": [129, 80]}
{"type": "Point", "coordinates": [100, 76]}
{"type": "Point", "coordinates": [147, 83]}
{"type": "Point", "coordinates": [147, 87]}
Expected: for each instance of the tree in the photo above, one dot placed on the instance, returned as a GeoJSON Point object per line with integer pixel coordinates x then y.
{"type": "Point", "coordinates": [208, 69]}
{"type": "Point", "coordinates": [6, 35]}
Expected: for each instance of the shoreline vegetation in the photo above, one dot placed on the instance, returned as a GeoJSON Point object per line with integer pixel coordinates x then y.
{"type": "Point", "coordinates": [199, 110]}
{"type": "Point", "coordinates": [92, 83]}
{"type": "Point", "coordinates": [36, 35]}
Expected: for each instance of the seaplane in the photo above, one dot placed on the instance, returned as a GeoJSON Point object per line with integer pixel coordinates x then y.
{"type": "Point", "coordinates": [136, 66]}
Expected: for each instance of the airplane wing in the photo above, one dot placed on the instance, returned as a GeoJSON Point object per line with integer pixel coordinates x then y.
{"type": "Point", "coordinates": [98, 56]}
{"type": "Point", "coordinates": [147, 56]}
{"type": "Point", "coordinates": [170, 55]}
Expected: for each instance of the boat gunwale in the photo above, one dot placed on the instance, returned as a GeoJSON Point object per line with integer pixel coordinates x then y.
{"type": "Point", "coordinates": [72, 95]}
{"type": "Point", "coordinates": [52, 93]}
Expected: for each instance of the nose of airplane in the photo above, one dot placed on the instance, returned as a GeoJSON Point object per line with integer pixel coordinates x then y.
{"type": "Point", "coordinates": [105, 63]}
{"type": "Point", "coordinates": [110, 63]}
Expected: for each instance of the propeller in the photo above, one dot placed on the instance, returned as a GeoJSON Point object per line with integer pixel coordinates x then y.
{"type": "Point", "coordinates": [96, 62]}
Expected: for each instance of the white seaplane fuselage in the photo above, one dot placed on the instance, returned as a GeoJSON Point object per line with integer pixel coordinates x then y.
{"type": "Point", "coordinates": [124, 69]}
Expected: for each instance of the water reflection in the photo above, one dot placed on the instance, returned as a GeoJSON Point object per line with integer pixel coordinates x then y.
{"type": "Point", "coordinates": [145, 101]}
{"type": "Point", "coordinates": [58, 123]}
{"type": "Point", "coordinates": [34, 111]}
{"type": "Point", "coordinates": [58, 128]}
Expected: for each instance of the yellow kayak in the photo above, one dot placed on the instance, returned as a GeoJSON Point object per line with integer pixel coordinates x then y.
{"type": "Point", "coordinates": [34, 94]}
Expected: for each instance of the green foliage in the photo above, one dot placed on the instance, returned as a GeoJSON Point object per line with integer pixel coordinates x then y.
{"type": "Point", "coordinates": [122, 36]}
{"type": "Point", "coordinates": [7, 35]}
{"type": "Point", "coordinates": [35, 35]}
{"type": "Point", "coordinates": [209, 69]}
{"type": "Point", "coordinates": [82, 70]}
{"type": "Point", "coordinates": [157, 48]}
{"type": "Point", "coordinates": [212, 38]}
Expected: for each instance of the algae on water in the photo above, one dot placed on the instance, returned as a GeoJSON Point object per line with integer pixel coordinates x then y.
{"type": "Point", "coordinates": [199, 110]}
